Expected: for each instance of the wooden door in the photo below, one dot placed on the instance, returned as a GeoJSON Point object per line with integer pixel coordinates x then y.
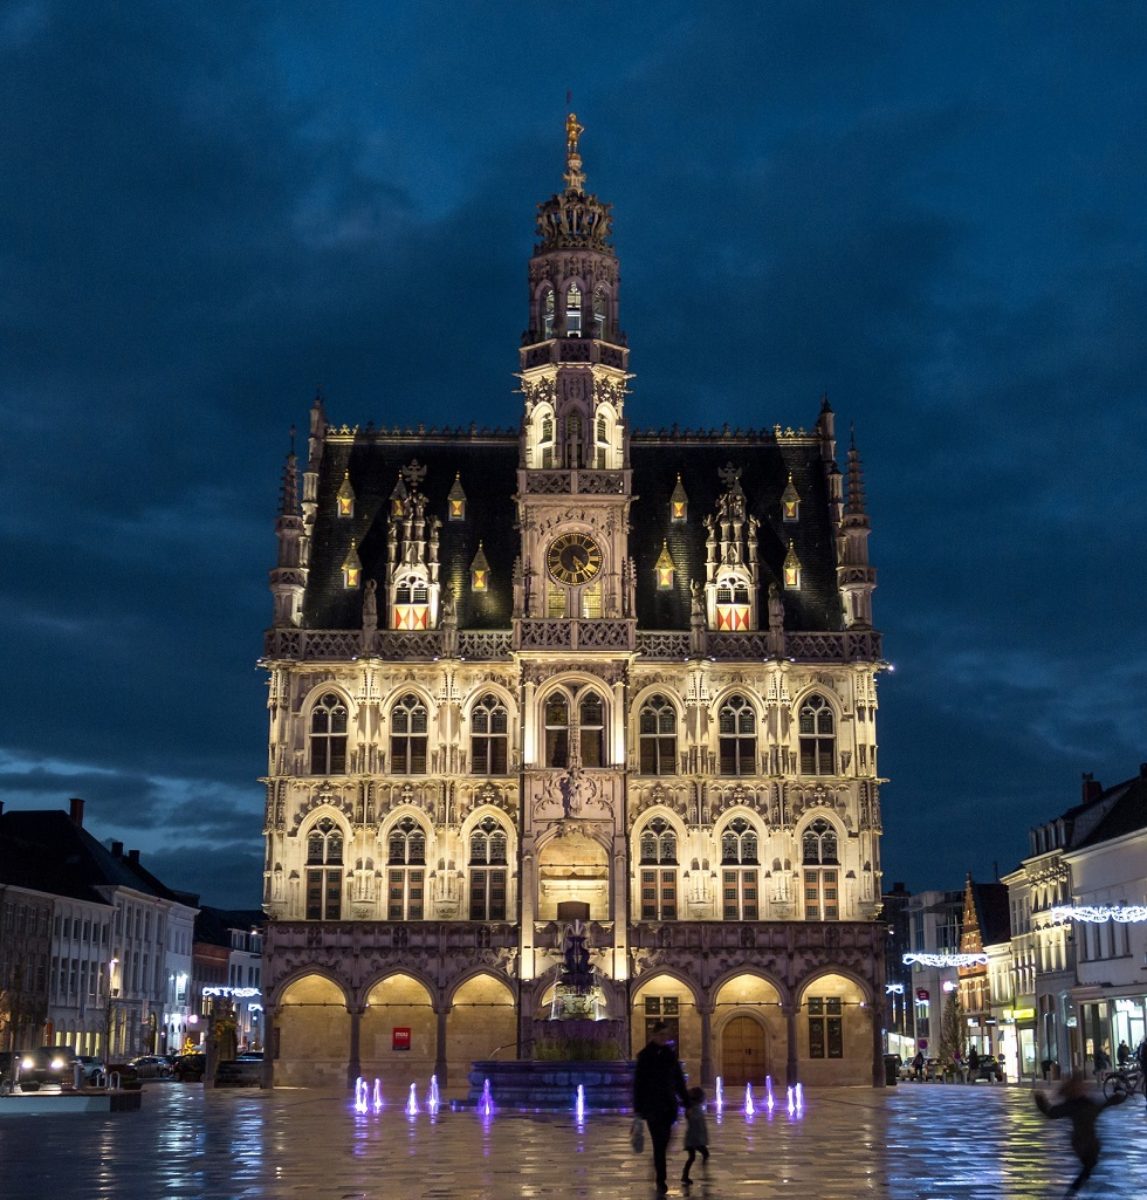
{"type": "Point", "coordinates": [743, 1057]}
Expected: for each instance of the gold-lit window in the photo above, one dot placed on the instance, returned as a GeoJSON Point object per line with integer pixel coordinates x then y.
{"type": "Point", "coordinates": [398, 499]}
{"type": "Point", "coordinates": [790, 502]}
{"type": "Point", "coordinates": [456, 500]}
{"type": "Point", "coordinates": [573, 311]}
{"type": "Point", "coordinates": [663, 568]}
{"type": "Point", "coordinates": [345, 497]}
{"type": "Point", "coordinates": [792, 570]}
{"type": "Point", "coordinates": [479, 572]}
{"type": "Point", "coordinates": [678, 503]}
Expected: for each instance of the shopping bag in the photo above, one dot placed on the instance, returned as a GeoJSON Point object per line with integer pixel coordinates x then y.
{"type": "Point", "coordinates": [637, 1135]}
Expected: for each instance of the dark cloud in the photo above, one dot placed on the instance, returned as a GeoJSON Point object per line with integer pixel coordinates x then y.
{"type": "Point", "coordinates": [933, 213]}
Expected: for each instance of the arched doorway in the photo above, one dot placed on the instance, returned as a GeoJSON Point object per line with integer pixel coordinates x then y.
{"type": "Point", "coordinates": [482, 1024]}
{"type": "Point", "coordinates": [744, 1052]}
{"type": "Point", "coordinates": [314, 1034]}
{"type": "Point", "coordinates": [750, 1031]}
{"type": "Point", "coordinates": [666, 998]}
{"type": "Point", "coordinates": [399, 1036]}
{"type": "Point", "coordinates": [574, 867]}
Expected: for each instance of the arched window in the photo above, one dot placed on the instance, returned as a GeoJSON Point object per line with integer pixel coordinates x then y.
{"type": "Point", "coordinates": [324, 871]}
{"type": "Point", "coordinates": [546, 441]}
{"type": "Point", "coordinates": [406, 871]}
{"type": "Point", "coordinates": [821, 872]}
{"type": "Point", "coordinates": [737, 737]}
{"type": "Point", "coordinates": [601, 442]}
{"type": "Point", "coordinates": [411, 604]}
{"type": "Point", "coordinates": [408, 736]}
{"type": "Point", "coordinates": [548, 313]}
{"type": "Point", "coordinates": [557, 721]}
{"type": "Point", "coordinates": [817, 737]}
{"type": "Point", "coordinates": [573, 311]}
{"type": "Point", "coordinates": [600, 310]}
{"type": "Point", "coordinates": [657, 735]}
{"type": "Point", "coordinates": [591, 730]}
{"type": "Point", "coordinates": [488, 871]}
{"type": "Point", "coordinates": [658, 850]}
{"type": "Point", "coordinates": [328, 736]}
{"type": "Point", "coordinates": [489, 724]}
{"type": "Point", "coordinates": [739, 872]}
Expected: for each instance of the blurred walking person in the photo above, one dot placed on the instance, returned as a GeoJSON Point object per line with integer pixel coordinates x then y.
{"type": "Point", "coordinates": [658, 1084]}
{"type": "Point", "coordinates": [1076, 1103]}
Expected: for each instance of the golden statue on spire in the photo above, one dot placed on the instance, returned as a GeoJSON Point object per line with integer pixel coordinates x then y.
{"type": "Point", "coordinates": [574, 176]}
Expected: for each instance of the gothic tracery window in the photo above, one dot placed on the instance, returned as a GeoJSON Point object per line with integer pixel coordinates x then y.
{"type": "Point", "coordinates": [591, 730]}
{"type": "Point", "coordinates": [489, 724]}
{"type": "Point", "coordinates": [488, 871]}
{"type": "Point", "coordinates": [657, 735]}
{"type": "Point", "coordinates": [817, 737]}
{"type": "Point", "coordinates": [573, 310]}
{"type": "Point", "coordinates": [658, 871]}
{"type": "Point", "coordinates": [740, 872]}
{"type": "Point", "coordinates": [737, 737]}
{"type": "Point", "coordinates": [548, 313]}
{"type": "Point", "coordinates": [408, 724]}
{"type": "Point", "coordinates": [821, 872]}
{"type": "Point", "coordinates": [406, 871]}
{"type": "Point", "coordinates": [600, 310]}
{"type": "Point", "coordinates": [324, 871]}
{"type": "Point", "coordinates": [328, 736]}
{"type": "Point", "coordinates": [557, 725]}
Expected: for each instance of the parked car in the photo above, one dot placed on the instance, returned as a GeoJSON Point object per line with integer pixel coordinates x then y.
{"type": "Point", "coordinates": [989, 1068]}
{"type": "Point", "coordinates": [128, 1076]}
{"type": "Point", "coordinates": [93, 1069]}
{"type": "Point", "coordinates": [47, 1065]}
{"type": "Point", "coordinates": [189, 1068]}
{"type": "Point", "coordinates": [244, 1071]}
{"type": "Point", "coordinates": [7, 1068]}
{"type": "Point", "coordinates": [152, 1066]}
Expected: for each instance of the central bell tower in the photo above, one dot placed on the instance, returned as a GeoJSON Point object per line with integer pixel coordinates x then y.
{"type": "Point", "coordinates": [574, 486]}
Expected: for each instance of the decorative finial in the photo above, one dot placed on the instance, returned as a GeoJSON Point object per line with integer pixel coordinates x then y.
{"type": "Point", "coordinates": [574, 176]}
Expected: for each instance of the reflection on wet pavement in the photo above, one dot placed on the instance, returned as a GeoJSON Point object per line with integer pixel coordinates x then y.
{"type": "Point", "coordinates": [927, 1141]}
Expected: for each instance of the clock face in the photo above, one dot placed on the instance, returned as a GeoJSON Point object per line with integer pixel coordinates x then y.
{"type": "Point", "coordinates": [573, 559]}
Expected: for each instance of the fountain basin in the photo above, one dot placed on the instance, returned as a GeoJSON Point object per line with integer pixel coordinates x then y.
{"type": "Point", "coordinates": [525, 1083]}
{"type": "Point", "coordinates": [25, 1104]}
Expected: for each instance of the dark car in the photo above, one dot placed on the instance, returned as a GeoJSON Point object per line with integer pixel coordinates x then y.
{"type": "Point", "coordinates": [189, 1068]}
{"type": "Point", "coordinates": [47, 1065]}
{"type": "Point", "coordinates": [7, 1068]}
{"type": "Point", "coordinates": [123, 1075]}
{"type": "Point", "coordinates": [989, 1068]}
{"type": "Point", "coordinates": [152, 1066]}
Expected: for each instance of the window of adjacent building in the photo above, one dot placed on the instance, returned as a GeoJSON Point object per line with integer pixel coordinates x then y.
{"type": "Point", "coordinates": [557, 723]}
{"type": "Point", "coordinates": [666, 1009]}
{"type": "Point", "coordinates": [408, 721]}
{"type": "Point", "coordinates": [489, 724]}
{"type": "Point", "coordinates": [737, 737]}
{"type": "Point", "coordinates": [328, 736]}
{"type": "Point", "coordinates": [573, 310]}
{"type": "Point", "coordinates": [488, 844]}
{"type": "Point", "coordinates": [406, 871]}
{"type": "Point", "coordinates": [825, 1027]}
{"type": "Point", "coordinates": [658, 872]}
{"type": "Point", "coordinates": [324, 871]}
{"type": "Point", "coordinates": [817, 737]}
{"type": "Point", "coordinates": [740, 887]}
{"type": "Point", "coordinates": [657, 735]}
{"type": "Point", "coordinates": [591, 730]}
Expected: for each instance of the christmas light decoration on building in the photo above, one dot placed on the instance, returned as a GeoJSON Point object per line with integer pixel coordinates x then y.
{"type": "Point", "coordinates": [1100, 914]}
{"type": "Point", "coordinates": [946, 960]}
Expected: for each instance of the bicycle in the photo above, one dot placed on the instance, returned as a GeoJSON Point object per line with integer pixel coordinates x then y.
{"type": "Point", "coordinates": [1125, 1081]}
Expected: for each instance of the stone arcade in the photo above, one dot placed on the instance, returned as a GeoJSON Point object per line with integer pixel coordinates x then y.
{"type": "Point", "coordinates": [576, 668]}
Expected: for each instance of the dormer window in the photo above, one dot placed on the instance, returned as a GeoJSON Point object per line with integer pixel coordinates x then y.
{"type": "Point", "coordinates": [664, 569]}
{"type": "Point", "coordinates": [411, 604]}
{"type": "Point", "coordinates": [345, 497]}
{"type": "Point", "coordinates": [456, 500]}
{"type": "Point", "coordinates": [678, 504]}
{"type": "Point", "coordinates": [573, 311]}
{"type": "Point", "coordinates": [479, 572]}
{"type": "Point", "coordinates": [352, 567]}
{"type": "Point", "coordinates": [398, 499]}
{"type": "Point", "coordinates": [790, 502]}
{"type": "Point", "coordinates": [792, 570]}
{"type": "Point", "coordinates": [733, 607]}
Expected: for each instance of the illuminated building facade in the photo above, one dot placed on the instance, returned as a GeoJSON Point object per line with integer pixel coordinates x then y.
{"type": "Point", "coordinates": [573, 671]}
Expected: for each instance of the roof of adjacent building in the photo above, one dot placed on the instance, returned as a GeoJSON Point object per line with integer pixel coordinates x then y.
{"type": "Point", "coordinates": [1126, 811]}
{"type": "Point", "coordinates": [992, 912]}
{"type": "Point", "coordinates": [214, 925]}
{"type": "Point", "coordinates": [486, 465]}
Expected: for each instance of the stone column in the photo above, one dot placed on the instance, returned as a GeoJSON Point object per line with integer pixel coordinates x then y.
{"type": "Point", "coordinates": [270, 1044]}
{"type": "Point", "coordinates": [878, 1079]}
{"type": "Point", "coordinates": [440, 1067]}
{"type": "Point", "coordinates": [791, 1071]}
{"type": "Point", "coordinates": [706, 1011]}
{"type": "Point", "coordinates": [354, 1064]}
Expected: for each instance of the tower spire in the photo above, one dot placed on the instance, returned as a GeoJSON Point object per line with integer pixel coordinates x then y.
{"type": "Point", "coordinates": [855, 578]}
{"type": "Point", "coordinates": [854, 506]}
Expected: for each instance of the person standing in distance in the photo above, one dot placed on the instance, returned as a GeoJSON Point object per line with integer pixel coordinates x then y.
{"type": "Point", "coordinates": [658, 1084]}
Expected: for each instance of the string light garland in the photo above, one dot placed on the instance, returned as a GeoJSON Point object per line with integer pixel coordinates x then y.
{"type": "Point", "coordinates": [946, 960]}
{"type": "Point", "coordinates": [1100, 914]}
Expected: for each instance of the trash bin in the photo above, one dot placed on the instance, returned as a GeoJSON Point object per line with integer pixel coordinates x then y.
{"type": "Point", "coordinates": [891, 1069]}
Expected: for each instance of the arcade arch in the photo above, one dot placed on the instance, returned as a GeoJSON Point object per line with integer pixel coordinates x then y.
{"type": "Point", "coordinates": [399, 1034]}
{"type": "Point", "coordinates": [314, 1033]}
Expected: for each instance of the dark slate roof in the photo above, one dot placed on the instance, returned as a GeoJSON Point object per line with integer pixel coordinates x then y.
{"type": "Point", "coordinates": [69, 860]}
{"type": "Point", "coordinates": [993, 912]}
{"type": "Point", "coordinates": [1127, 812]}
{"type": "Point", "coordinates": [27, 864]}
{"type": "Point", "coordinates": [487, 466]}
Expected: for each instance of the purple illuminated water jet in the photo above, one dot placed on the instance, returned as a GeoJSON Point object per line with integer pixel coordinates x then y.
{"type": "Point", "coordinates": [360, 1095]}
{"type": "Point", "coordinates": [412, 1102]}
{"type": "Point", "coordinates": [377, 1094]}
{"type": "Point", "coordinates": [719, 1100]}
{"type": "Point", "coordinates": [750, 1108]}
{"type": "Point", "coordinates": [486, 1104]}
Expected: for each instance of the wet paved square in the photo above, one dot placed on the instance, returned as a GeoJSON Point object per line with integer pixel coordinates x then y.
{"type": "Point", "coordinates": [927, 1141]}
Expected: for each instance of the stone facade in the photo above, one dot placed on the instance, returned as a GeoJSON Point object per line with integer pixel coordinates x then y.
{"type": "Point", "coordinates": [577, 671]}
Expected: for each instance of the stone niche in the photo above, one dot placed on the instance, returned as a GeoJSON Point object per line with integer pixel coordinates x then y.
{"type": "Point", "coordinates": [573, 866]}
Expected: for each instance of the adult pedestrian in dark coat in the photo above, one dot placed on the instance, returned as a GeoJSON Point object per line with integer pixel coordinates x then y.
{"type": "Point", "coordinates": [658, 1084]}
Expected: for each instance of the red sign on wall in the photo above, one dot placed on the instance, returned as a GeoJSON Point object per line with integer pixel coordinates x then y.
{"type": "Point", "coordinates": [921, 993]}
{"type": "Point", "coordinates": [399, 1038]}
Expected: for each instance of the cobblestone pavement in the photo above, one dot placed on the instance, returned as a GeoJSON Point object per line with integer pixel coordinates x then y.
{"type": "Point", "coordinates": [930, 1141]}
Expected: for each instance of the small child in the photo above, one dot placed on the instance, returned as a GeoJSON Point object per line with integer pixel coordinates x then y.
{"type": "Point", "coordinates": [696, 1132]}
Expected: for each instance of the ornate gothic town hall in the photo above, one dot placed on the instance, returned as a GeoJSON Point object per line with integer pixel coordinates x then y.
{"type": "Point", "coordinates": [576, 671]}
